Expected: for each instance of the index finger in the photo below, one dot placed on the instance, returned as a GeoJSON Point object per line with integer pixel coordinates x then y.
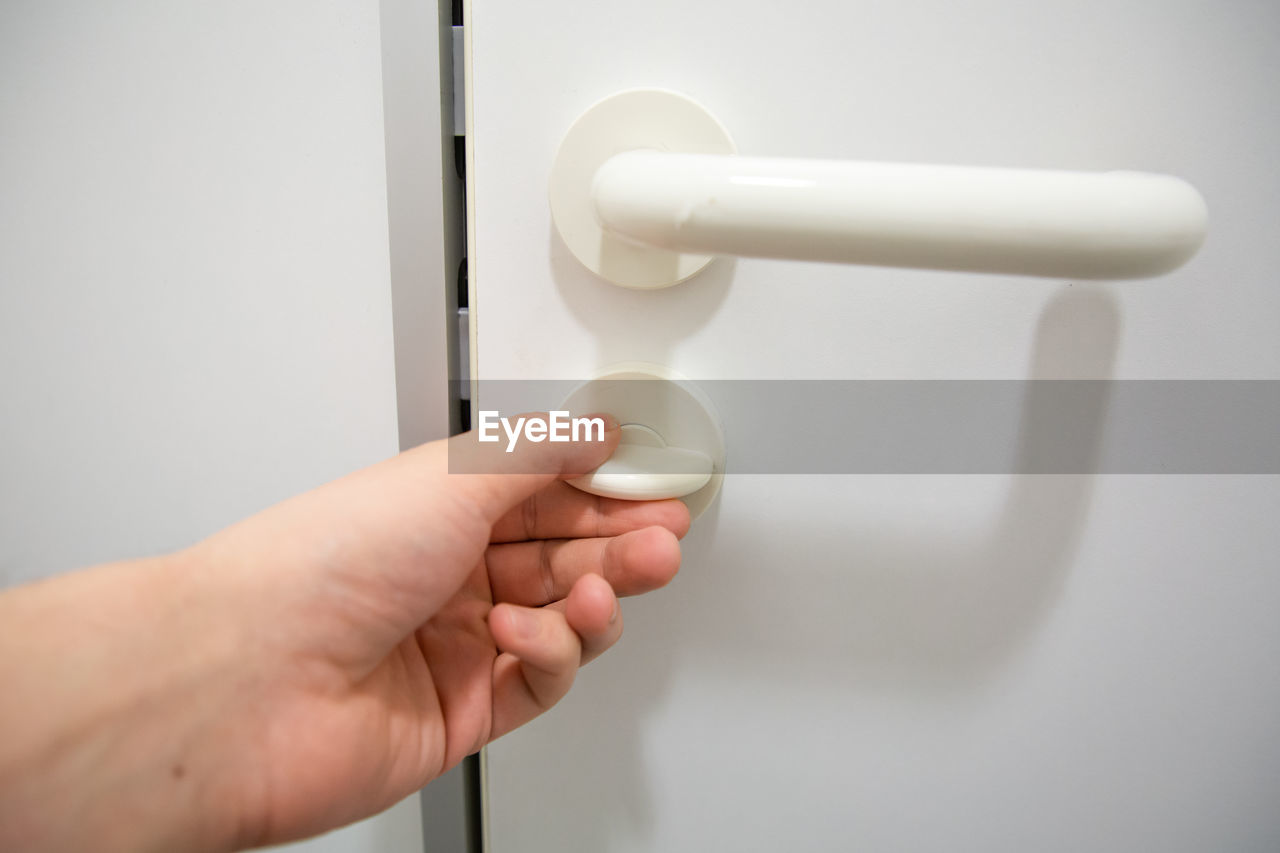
{"type": "Point", "coordinates": [559, 511]}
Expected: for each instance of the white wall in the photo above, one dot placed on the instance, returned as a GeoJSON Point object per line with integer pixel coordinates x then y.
{"type": "Point", "coordinates": [195, 302]}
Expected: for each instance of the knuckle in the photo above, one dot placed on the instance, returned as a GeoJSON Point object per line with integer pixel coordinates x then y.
{"type": "Point", "coordinates": [529, 517]}
{"type": "Point", "coordinates": [546, 570]}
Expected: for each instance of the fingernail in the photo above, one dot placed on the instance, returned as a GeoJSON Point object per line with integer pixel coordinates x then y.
{"type": "Point", "coordinates": [610, 422]}
{"type": "Point", "coordinates": [613, 617]}
{"type": "Point", "coordinates": [524, 623]}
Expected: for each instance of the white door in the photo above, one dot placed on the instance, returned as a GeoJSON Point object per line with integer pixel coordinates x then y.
{"type": "Point", "coordinates": [910, 661]}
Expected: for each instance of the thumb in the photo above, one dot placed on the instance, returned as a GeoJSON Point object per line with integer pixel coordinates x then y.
{"type": "Point", "coordinates": [496, 469]}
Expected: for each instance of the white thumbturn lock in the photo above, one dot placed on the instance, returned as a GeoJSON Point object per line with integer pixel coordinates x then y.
{"type": "Point", "coordinates": [646, 189]}
{"type": "Point", "coordinates": [644, 467]}
{"type": "Point", "coordinates": [672, 445]}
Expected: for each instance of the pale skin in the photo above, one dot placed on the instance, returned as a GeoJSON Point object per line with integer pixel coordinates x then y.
{"type": "Point", "coordinates": [319, 661]}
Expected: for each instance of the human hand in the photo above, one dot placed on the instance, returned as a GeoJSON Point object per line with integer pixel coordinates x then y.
{"type": "Point", "coordinates": [323, 659]}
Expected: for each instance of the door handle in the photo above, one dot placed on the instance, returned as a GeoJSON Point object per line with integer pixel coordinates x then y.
{"type": "Point", "coordinates": [647, 189]}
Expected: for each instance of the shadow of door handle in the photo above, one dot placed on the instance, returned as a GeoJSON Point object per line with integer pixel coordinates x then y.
{"type": "Point", "coordinates": [646, 189]}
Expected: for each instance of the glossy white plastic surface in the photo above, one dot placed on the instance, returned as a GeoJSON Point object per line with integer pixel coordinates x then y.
{"type": "Point", "coordinates": [644, 467]}
{"type": "Point", "coordinates": [1107, 225]}
{"type": "Point", "coordinates": [637, 119]}
{"type": "Point", "coordinates": [672, 445]}
{"type": "Point", "coordinates": [646, 189]}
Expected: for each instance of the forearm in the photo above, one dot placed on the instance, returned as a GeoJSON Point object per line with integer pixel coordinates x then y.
{"type": "Point", "coordinates": [115, 681]}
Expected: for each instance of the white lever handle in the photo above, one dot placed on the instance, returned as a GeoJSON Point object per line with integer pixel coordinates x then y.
{"type": "Point", "coordinates": [644, 468]}
{"type": "Point", "coordinates": [1061, 224]}
{"type": "Point", "coordinates": [646, 189]}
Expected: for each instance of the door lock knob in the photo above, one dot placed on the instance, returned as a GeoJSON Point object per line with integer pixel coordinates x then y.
{"type": "Point", "coordinates": [672, 445]}
{"type": "Point", "coordinates": [644, 467]}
